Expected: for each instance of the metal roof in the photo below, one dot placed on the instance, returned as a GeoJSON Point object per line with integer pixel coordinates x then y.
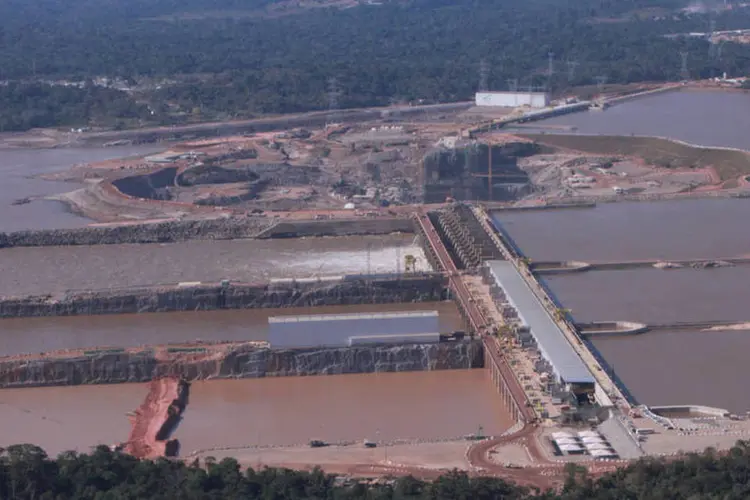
{"type": "Point", "coordinates": [550, 339]}
{"type": "Point", "coordinates": [351, 316]}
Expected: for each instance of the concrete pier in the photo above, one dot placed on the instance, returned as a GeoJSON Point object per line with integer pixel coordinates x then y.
{"type": "Point", "coordinates": [513, 395]}
{"type": "Point", "coordinates": [611, 328]}
{"type": "Point", "coordinates": [579, 266]}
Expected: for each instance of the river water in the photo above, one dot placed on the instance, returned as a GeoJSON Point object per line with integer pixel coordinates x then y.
{"type": "Point", "coordinates": [683, 367]}
{"type": "Point", "coordinates": [655, 296]}
{"type": "Point", "coordinates": [34, 335]}
{"type": "Point", "coordinates": [707, 118]}
{"type": "Point", "coordinates": [221, 413]}
{"type": "Point", "coordinates": [43, 270]}
{"type": "Point", "coordinates": [668, 367]}
{"type": "Point", "coordinates": [68, 418]}
{"type": "Point", "coordinates": [288, 411]}
{"type": "Point", "coordinates": [17, 166]}
{"type": "Point", "coordinates": [684, 229]}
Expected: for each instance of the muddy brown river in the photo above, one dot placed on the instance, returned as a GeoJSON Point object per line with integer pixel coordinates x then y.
{"type": "Point", "coordinates": [34, 335]}
{"type": "Point", "coordinates": [17, 168]}
{"type": "Point", "coordinates": [683, 367]}
{"type": "Point", "coordinates": [288, 411]}
{"type": "Point", "coordinates": [43, 270]}
{"type": "Point", "coordinates": [285, 410]}
{"type": "Point", "coordinates": [655, 296]}
{"type": "Point", "coordinates": [708, 118]}
{"type": "Point", "coordinates": [684, 229]}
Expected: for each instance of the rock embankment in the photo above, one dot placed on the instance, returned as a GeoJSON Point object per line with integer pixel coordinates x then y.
{"type": "Point", "coordinates": [207, 229]}
{"type": "Point", "coordinates": [160, 232]}
{"type": "Point", "coordinates": [236, 361]}
{"type": "Point", "coordinates": [212, 296]}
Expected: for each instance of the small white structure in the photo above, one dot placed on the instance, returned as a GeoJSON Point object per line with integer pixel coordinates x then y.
{"type": "Point", "coordinates": [562, 435]}
{"type": "Point", "coordinates": [592, 440]}
{"type": "Point", "coordinates": [589, 434]}
{"type": "Point", "coordinates": [603, 454]}
{"type": "Point", "coordinates": [598, 446]}
{"type": "Point", "coordinates": [571, 448]}
{"type": "Point", "coordinates": [512, 99]}
{"type": "Point", "coordinates": [567, 441]}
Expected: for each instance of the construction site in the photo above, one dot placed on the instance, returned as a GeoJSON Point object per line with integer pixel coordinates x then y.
{"type": "Point", "coordinates": [387, 257]}
{"type": "Point", "coordinates": [370, 166]}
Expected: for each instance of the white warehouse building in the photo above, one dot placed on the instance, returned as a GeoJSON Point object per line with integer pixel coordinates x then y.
{"type": "Point", "coordinates": [346, 330]}
{"type": "Point", "coordinates": [512, 99]}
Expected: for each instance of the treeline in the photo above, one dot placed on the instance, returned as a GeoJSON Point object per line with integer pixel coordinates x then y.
{"type": "Point", "coordinates": [225, 60]}
{"type": "Point", "coordinates": [26, 473]}
{"type": "Point", "coordinates": [26, 106]}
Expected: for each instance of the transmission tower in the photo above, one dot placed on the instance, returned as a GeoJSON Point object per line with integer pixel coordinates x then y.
{"type": "Point", "coordinates": [571, 69]}
{"type": "Point", "coordinates": [333, 101]}
{"type": "Point", "coordinates": [684, 73]}
{"type": "Point", "coordinates": [484, 73]}
{"type": "Point", "coordinates": [600, 82]}
{"type": "Point", "coordinates": [550, 64]}
{"type": "Point", "coordinates": [710, 38]}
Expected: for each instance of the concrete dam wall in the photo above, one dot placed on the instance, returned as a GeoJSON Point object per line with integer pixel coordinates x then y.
{"type": "Point", "coordinates": [242, 361]}
{"type": "Point", "coordinates": [346, 291]}
{"type": "Point", "coordinates": [213, 229]}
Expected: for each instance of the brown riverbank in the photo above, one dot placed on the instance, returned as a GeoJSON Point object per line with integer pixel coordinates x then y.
{"type": "Point", "coordinates": [155, 419]}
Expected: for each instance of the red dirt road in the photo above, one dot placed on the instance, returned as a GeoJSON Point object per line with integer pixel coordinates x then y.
{"type": "Point", "coordinates": [163, 404]}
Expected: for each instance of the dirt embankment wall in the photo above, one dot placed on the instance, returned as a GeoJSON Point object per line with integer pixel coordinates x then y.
{"type": "Point", "coordinates": [354, 290]}
{"type": "Point", "coordinates": [213, 229]}
{"type": "Point", "coordinates": [241, 361]}
{"type": "Point", "coordinates": [155, 419]}
{"type": "Point", "coordinates": [729, 163]}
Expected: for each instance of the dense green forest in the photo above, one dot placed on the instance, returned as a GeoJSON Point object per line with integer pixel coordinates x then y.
{"type": "Point", "coordinates": [201, 59]}
{"type": "Point", "coordinates": [26, 473]}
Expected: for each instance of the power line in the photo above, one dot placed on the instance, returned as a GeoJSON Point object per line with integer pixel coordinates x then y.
{"type": "Point", "coordinates": [572, 65]}
{"type": "Point", "coordinates": [484, 72]}
{"type": "Point", "coordinates": [333, 101]}
{"type": "Point", "coordinates": [684, 73]}
{"type": "Point", "coordinates": [550, 64]}
{"type": "Point", "coordinates": [600, 82]}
